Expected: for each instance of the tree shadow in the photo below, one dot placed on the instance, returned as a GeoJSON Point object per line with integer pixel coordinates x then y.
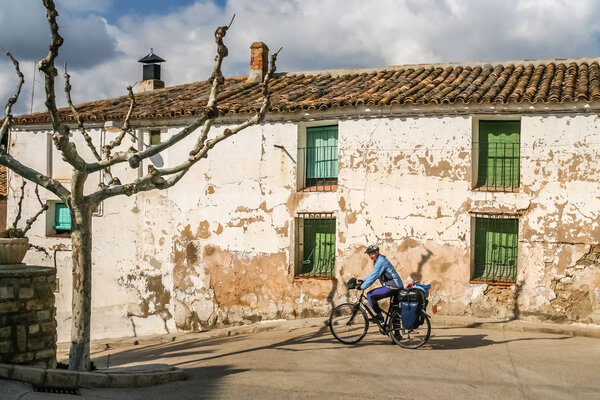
{"type": "Point", "coordinates": [150, 353]}
{"type": "Point", "coordinates": [332, 293]}
{"type": "Point", "coordinates": [202, 349]}
{"type": "Point", "coordinates": [321, 336]}
{"type": "Point", "coordinates": [418, 275]}
{"type": "Point", "coordinates": [517, 310]}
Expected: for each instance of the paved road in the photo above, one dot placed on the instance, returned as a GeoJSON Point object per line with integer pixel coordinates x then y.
{"type": "Point", "coordinates": [306, 363]}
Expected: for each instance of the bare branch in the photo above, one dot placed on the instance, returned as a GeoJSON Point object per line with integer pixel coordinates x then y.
{"type": "Point", "coordinates": [154, 179]}
{"type": "Point", "coordinates": [210, 112]}
{"type": "Point", "coordinates": [231, 22]}
{"type": "Point", "coordinates": [80, 125]}
{"type": "Point", "coordinates": [8, 116]}
{"type": "Point", "coordinates": [199, 153]}
{"type": "Point", "coordinates": [46, 65]}
{"type": "Point", "coordinates": [20, 205]}
{"type": "Point", "coordinates": [126, 126]}
{"type": "Point", "coordinates": [34, 176]}
{"type": "Point", "coordinates": [31, 220]}
{"type": "Point", "coordinates": [40, 249]}
{"type": "Point", "coordinates": [7, 160]}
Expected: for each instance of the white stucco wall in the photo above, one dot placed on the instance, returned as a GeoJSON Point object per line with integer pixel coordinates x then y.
{"type": "Point", "coordinates": [219, 246]}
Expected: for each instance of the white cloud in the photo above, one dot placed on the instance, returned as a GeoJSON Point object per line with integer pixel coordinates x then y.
{"type": "Point", "coordinates": [315, 34]}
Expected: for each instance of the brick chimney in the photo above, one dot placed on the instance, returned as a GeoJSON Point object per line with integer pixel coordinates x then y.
{"type": "Point", "coordinates": [259, 62]}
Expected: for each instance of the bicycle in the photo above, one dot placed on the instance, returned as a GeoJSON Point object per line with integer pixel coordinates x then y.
{"type": "Point", "coordinates": [349, 323]}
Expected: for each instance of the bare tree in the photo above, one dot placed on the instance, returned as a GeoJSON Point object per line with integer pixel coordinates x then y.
{"type": "Point", "coordinates": [81, 204]}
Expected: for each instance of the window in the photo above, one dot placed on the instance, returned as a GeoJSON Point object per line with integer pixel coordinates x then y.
{"type": "Point", "coordinates": [499, 154]}
{"type": "Point", "coordinates": [62, 218]}
{"type": "Point", "coordinates": [154, 137]}
{"type": "Point", "coordinates": [319, 165]}
{"type": "Point", "coordinates": [495, 248]}
{"type": "Point", "coordinates": [315, 245]}
{"type": "Point", "coordinates": [58, 219]}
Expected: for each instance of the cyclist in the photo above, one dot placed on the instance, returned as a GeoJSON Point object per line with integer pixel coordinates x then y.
{"type": "Point", "coordinates": [387, 275]}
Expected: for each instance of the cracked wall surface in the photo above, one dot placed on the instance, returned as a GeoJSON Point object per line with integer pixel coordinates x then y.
{"type": "Point", "coordinates": [218, 248]}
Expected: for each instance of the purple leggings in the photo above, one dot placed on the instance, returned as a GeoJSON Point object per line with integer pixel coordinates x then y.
{"type": "Point", "coordinates": [377, 294]}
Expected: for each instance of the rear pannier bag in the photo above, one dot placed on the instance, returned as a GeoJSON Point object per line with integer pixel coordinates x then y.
{"type": "Point", "coordinates": [412, 300]}
{"type": "Point", "coordinates": [410, 314]}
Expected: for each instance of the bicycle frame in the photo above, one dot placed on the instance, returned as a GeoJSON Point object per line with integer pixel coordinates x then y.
{"type": "Point", "coordinates": [383, 327]}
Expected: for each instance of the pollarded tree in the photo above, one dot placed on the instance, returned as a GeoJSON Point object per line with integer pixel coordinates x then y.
{"type": "Point", "coordinates": [81, 204]}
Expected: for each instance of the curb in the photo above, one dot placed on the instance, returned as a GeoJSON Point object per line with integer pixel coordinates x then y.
{"type": "Point", "coordinates": [59, 378]}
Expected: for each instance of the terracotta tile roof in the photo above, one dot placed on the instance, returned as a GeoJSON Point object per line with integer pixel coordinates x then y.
{"type": "Point", "coordinates": [3, 182]}
{"type": "Point", "coordinates": [550, 81]}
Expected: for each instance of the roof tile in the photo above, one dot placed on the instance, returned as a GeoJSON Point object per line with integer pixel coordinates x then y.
{"type": "Point", "coordinates": [554, 81]}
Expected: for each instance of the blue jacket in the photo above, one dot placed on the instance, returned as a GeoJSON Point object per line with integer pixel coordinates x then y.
{"type": "Point", "coordinates": [385, 272]}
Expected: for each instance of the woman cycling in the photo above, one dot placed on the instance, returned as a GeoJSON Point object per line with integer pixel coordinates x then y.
{"type": "Point", "coordinates": [387, 275]}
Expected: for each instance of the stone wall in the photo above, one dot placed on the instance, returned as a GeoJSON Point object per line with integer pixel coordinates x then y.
{"type": "Point", "coordinates": [27, 315]}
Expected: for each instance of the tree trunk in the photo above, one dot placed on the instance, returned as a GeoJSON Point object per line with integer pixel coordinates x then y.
{"type": "Point", "coordinates": [81, 242]}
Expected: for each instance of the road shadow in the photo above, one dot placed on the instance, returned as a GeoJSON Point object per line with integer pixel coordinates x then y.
{"type": "Point", "coordinates": [188, 353]}
{"type": "Point", "coordinates": [458, 342]}
{"type": "Point", "coordinates": [191, 352]}
{"type": "Point", "coordinates": [208, 382]}
{"type": "Point", "coordinates": [320, 336]}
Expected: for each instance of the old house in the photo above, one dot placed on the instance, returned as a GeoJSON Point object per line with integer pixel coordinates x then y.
{"type": "Point", "coordinates": [482, 179]}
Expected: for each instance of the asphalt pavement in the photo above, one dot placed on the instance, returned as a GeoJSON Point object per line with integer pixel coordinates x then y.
{"type": "Point", "coordinates": [294, 361]}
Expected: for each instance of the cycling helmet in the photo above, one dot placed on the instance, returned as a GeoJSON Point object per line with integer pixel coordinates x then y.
{"type": "Point", "coordinates": [372, 249]}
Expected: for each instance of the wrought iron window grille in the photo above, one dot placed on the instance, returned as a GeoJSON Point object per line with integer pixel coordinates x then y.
{"type": "Point", "coordinates": [315, 245]}
{"type": "Point", "coordinates": [494, 248]}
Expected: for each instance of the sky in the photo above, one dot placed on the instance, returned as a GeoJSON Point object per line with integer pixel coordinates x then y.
{"type": "Point", "coordinates": [105, 38]}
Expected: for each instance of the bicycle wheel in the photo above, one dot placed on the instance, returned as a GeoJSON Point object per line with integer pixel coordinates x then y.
{"type": "Point", "coordinates": [413, 338]}
{"type": "Point", "coordinates": [348, 323]}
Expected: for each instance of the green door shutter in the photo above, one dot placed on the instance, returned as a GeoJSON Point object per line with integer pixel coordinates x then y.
{"type": "Point", "coordinates": [322, 152]}
{"type": "Point", "coordinates": [499, 154]}
{"type": "Point", "coordinates": [496, 247]}
{"type": "Point", "coordinates": [319, 247]}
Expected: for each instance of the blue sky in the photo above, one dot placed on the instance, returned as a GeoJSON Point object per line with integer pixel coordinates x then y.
{"type": "Point", "coordinates": [105, 38]}
{"type": "Point", "coordinates": [117, 8]}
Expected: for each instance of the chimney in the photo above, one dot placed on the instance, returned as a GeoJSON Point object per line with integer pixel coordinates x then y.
{"type": "Point", "coordinates": [259, 62]}
{"type": "Point", "coordinates": [151, 73]}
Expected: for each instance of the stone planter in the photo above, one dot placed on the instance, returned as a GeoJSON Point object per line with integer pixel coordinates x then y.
{"type": "Point", "coordinates": [13, 250]}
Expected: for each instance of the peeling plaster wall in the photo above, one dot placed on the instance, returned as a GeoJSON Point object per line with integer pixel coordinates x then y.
{"type": "Point", "coordinates": [218, 248]}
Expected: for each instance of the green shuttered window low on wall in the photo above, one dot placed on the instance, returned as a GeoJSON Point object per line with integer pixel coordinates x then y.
{"type": "Point", "coordinates": [315, 245]}
{"type": "Point", "coordinates": [62, 218]}
{"type": "Point", "coordinates": [499, 155]}
{"type": "Point", "coordinates": [496, 242]}
{"type": "Point", "coordinates": [321, 157]}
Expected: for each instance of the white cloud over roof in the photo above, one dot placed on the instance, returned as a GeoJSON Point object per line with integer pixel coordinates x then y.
{"type": "Point", "coordinates": [315, 34]}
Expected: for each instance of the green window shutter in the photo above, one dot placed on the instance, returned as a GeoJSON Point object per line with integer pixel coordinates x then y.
{"type": "Point", "coordinates": [322, 152]}
{"type": "Point", "coordinates": [496, 248]}
{"type": "Point", "coordinates": [62, 217]}
{"type": "Point", "coordinates": [499, 154]}
{"type": "Point", "coordinates": [319, 247]}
